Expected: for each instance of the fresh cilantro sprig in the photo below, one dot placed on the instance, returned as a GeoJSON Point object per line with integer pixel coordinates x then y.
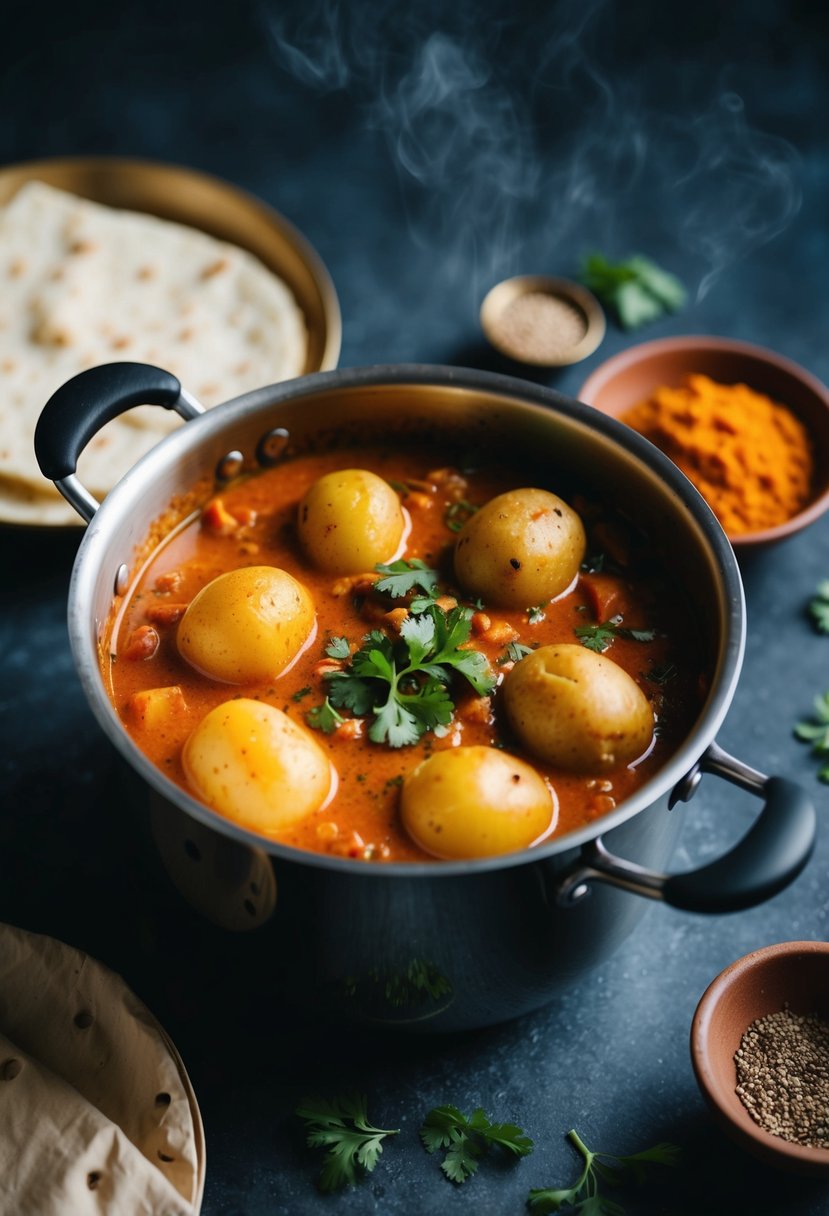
{"type": "Point", "coordinates": [341, 1126]}
{"type": "Point", "coordinates": [817, 733]}
{"type": "Point", "coordinates": [583, 1196]}
{"type": "Point", "coordinates": [404, 684]}
{"type": "Point", "coordinates": [467, 1138]}
{"type": "Point", "coordinates": [338, 648]}
{"type": "Point", "coordinates": [819, 607]}
{"type": "Point", "coordinates": [600, 637]}
{"type": "Point", "coordinates": [637, 290]}
{"type": "Point", "coordinates": [401, 577]}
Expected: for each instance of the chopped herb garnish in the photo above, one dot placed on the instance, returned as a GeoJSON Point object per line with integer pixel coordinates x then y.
{"type": "Point", "coordinates": [599, 638]}
{"type": "Point", "coordinates": [819, 607]}
{"type": "Point", "coordinates": [401, 577]}
{"type": "Point", "coordinates": [514, 653]}
{"type": "Point", "coordinates": [341, 1126]}
{"type": "Point", "coordinates": [662, 673]}
{"type": "Point", "coordinates": [404, 684]}
{"type": "Point", "coordinates": [338, 648]}
{"type": "Point", "coordinates": [536, 614]}
{"type": "Point", "coordinates": [467, 1138]}
{"type": "Point", "coordinates": [637, 290]}
{"type": "Point", "coordinates": [583, 1196]}
{"type": "Point", "coordinates": [817, 733]}
{"type": "Point", "coordinates": [400, 487]}
{"type": "Point", "coordinates": [457, 513]}
{"type": "Point", "coordinates": [302, 692]}
{"type": "Point", "coordinates": [324, 717]}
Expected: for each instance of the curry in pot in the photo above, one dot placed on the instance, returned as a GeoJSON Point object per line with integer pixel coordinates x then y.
{"type": "Point", "coordinates": [373, 654]}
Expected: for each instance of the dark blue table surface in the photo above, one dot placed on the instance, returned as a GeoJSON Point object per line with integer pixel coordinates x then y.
{"type": "Point", "coordinates": [426, 154]}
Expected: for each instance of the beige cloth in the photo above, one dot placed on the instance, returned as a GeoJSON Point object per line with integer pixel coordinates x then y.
{"type": "Point", "coordinates": [97, 1115]}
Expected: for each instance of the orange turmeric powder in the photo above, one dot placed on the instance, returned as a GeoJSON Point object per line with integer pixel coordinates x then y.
{"type": "Point", "coordinates": [748, 456]}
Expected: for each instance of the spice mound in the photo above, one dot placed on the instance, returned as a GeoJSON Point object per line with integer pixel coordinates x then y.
{"type": "Point", "coordinates": [748, 456]}
{"type": "Point", "coordinates": [540, 328]}
{"type": "Point", "coordinates": [783, 1076]}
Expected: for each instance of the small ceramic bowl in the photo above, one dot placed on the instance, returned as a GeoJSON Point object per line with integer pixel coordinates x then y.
{"type": "Point", "coordinates": [542, 321]}
{"type": "Point", "coordinates": [631, 376]}
{"type": "Point", "coordinates": [793, 974]}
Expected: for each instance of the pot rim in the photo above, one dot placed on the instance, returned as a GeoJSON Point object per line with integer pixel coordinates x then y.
{"type": "Point", "coordinates": [528, 396]}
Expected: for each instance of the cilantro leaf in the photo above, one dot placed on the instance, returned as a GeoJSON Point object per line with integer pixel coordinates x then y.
{"type": "Point", "coordinates": [583, 1196]}
{"type": "Point", "coordinates": [301, 692]}
{"type": "Point", "coordinates": [324, 717]}
{"type": "Point", "coordinates": [338, 648]}
{"type": "Point", "coordinates": [457, 513]}
{"type": "Point", "coordinates": [401, 577]}
{"type": "Point", "coordinates": [819, 607]}
{"type": "Point", "coordinates": [817, 733]}
{"type": "Point", "coordinates": [601, 636]}
{"type": "Point", "coordinates": [637, 290]}
{"type": "Point", "coordinates": [341, 1126]}
{"type": "Point", "coordinates": [467, 1138]}
{"type": "Point", "coordinates": [536, 614]}
{"type": "Point", "coordinates": [514, 653]}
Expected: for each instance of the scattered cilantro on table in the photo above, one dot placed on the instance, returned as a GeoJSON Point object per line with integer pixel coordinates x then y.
{"type": "Point", "coordinates": [467, 1137]}
{"type": "Point", "coordinates": [341, 1126]}
{"type": "Point", "coordinates": [600, 637]}
{"type": "Point", "coordinates": [817, 733]}
{"type": "Point", "coordinates": [819, 607]}
{"type": "Point", "coordinates": [583, 1196]}
{"type": "Point", "coordinates": [637, 290]}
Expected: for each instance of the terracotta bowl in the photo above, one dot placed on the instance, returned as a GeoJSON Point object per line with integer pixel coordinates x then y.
{"type": "Point", "coordinates": [631, 376]}
{"type": "Point", "coordinates": [793, 973]}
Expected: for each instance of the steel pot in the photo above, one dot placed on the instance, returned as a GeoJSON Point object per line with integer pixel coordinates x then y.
{"type": "Point", "coordinates": [449, 944]}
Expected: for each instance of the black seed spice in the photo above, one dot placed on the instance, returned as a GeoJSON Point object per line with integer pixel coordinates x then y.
{"type": "Point", "coordinates": [783, 1076]}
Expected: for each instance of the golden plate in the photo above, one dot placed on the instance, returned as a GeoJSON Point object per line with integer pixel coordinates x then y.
{"type": "Point", "coordinates": [217, 208]}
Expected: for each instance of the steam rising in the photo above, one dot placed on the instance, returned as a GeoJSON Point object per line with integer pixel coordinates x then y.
{"type": "Point", "coordinates": [516, 149]}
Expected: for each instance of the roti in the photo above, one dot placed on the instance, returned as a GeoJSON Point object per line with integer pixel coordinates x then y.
{"type": "Point", "coordinates": [84, 284]}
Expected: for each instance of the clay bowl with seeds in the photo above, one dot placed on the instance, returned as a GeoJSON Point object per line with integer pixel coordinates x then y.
{"type": "Point", "coordinates": [772, 1006]}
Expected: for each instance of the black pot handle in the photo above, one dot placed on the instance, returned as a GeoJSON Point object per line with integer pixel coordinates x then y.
{"type": "Point", "coordinates": [767, 859]}
{"type": "Point", "coordinates": [84, 404]}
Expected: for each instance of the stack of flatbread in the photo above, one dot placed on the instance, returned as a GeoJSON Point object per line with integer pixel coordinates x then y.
{"type": "Point", "coordinates": [83, 284]}
{"type": "Point", "coordinates": [97, 1115]}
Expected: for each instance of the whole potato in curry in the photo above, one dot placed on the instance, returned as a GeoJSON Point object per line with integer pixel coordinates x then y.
{"type": "Point", "coordinates": [254, 765]}
{"type": "Point", "coordinates": [246, 625]}
{"type": "Point", "coordinates": [577, 709]}
{"type": "Point", "coordinates": [349, 521]}
{"type": "Point", "coordinates": [475, 802]}
{"type": "Point", "coordinates": [521, 548]}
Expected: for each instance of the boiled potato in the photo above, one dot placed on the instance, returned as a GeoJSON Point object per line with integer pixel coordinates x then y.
{"type": "Point", "coordinates": [253, 764]}
{"type": "Point", "coordinates": [247, 625]}
{"type": "Point", "coordinates": [475, 802]}
{"type": "Point", "coordinates": [521, 548]}
{"type": "Point", "coordinates": [577, 709]}
{"type": "Point", "coordinates": [350, 521]}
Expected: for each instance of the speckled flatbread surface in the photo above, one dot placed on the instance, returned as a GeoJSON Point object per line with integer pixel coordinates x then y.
{"type": "Point", "coordinates": [83, 284]}
{"type": "Point", "coordinates": [97, 1114]}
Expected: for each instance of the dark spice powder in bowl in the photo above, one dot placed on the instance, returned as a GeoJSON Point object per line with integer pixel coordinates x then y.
{"type": "Point", "coordinates": [760, 1051]}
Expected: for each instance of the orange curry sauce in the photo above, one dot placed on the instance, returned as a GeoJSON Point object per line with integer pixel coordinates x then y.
{"type": "Point", "coordinates": [252, 523]}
